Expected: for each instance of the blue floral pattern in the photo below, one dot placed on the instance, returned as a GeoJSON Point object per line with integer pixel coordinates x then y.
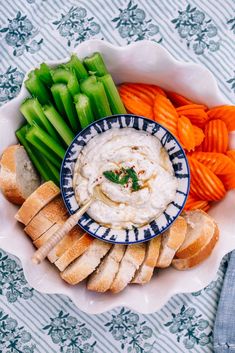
{"type": "Point", "coordinates": [191, 327]}
{"type": "Point", "coordinates": [10, 84]}
{"type": "Point", "coordinates": [76, 26]}
{"type": "Point", "coordinates": [133, 25]}
{"type": "Point", "coordinates": [197, 30]}
{"type": "Point", "coordinates": [126, 328]}
{"type": "Point", "coordinates": [12, 281]}
{"type": "Point", "coordinates": [69, 334]}
{"type": "Point", "coordinates": [21, 34]}
{"type": "Point", "coordinates": [14, 339]}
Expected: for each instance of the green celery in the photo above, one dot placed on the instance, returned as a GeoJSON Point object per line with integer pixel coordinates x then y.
{"type": "Point", "coordinates": [61, 75]}
{"type": "Point", "coordinates": [37, 88]}
{"type": "Point", "coordinates": [114, 99]}
{"type": "Point", "coordinates": [95, 64]}
{"type": "Point", "coordinates": [42, 147]}
{"type": "Point", "coordinates": [99, 101]}
{"type": "Point", "coordinates": [59, 124]}
{"type": "Point", "coordinates": [37, 158]}
{"type": "Point", "coordinates": [77, 66]}
{"type": "Point", "coordinates": [84, 110]}
{"type": "Point", "coordinates": [44, 74]}
{"type": "Point", "coordinates": [65, 105]}
{"type": "Point", "coordinates": [32, 111]}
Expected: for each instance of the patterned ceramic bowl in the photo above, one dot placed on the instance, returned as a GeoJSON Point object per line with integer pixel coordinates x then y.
{"type": "Point", "coordinates": [177, 158]}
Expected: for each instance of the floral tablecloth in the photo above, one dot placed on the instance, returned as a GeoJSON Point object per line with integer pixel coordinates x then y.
{"type": "Point", "coordinates": [35, 30]}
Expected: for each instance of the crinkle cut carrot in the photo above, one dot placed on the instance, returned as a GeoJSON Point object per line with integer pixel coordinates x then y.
{"type": "Point", "coordinates": [225, 113]}
{"type": "Point", "coordinates": [192, 107]}
{"type": "Point", "coordinates": [178, 100]}
{"type": "Point", "coordinates": [165, 113]}
{"type": "Point", "coordinates": [216, 136]}
{"type": "Point", "coordinates": [195, 204]}
{"type": "Point", "coordinates": [198, 135]}
{"type": "Point", "coordinates": [197, 117]}
{"type": "Point", "coordinates": [218, 163]}
{"type": "Point", "coordinates": [146, 96]}
{"type": "Point", "coordinates": [231, 155]}
{"type": "Point", "coordinates": [228, 180]}
{"type": "Point", "coordinates": [205, 185]}
{"type": "Point", "coordinates": [137, 106]}
{"type": "Point", "coordinates": [186, 133]}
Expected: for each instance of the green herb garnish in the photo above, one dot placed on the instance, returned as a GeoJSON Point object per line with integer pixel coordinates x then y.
{"type": "Point", "coordinates": [122, 177]}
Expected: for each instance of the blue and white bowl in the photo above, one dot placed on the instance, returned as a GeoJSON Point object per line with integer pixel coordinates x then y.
{"type": "Point", "coordinates": [177, 158]}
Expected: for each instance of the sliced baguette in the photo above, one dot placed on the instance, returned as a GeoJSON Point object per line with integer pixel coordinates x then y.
{"type": "Point", "coordinates": [171, 240]}
{"type": "Point", "coordinates": [76, 249]}
{"type": "Point", "coordinates": [145, 272]}
{"type": "Point", "coordinates": [86, 263]}
{"type": "Point", "coordinates": [46, 218]}
{"type": "Point", "coordinates": [18, 177]}
{"type": "Point", "coordinates": [131, 261]}
{"type": "Point", "coordinates": [36, 201]}
{"type": "Point", "coordinates": [200, 227]}
{"type": "Point", "coordinates": [201, 255]}
{"type": "Point", "coordinates": [102, 278]}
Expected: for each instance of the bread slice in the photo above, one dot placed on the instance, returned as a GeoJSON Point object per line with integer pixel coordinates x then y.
{"type": "Point", "coordinates": [172, 239]}
{"type": "Point", "coordinates": [86, 263]}
{"type": "Point", "coordinates": [46, 218]}
{"type": "Point", "coordinates": [145, 272]}
{"type": "Point", "coordinates": [201, 255]}
{"type": "Point", "coordinates": [102, 278]}
{"type": "Point", "coordinates": [131, 261]}
{"type": "Point", "coordinates": [77, 248]}
{"type": "Point", "coordinates": [18, 177]}
{"type": "Point", "coordinates": [36, 201]}
{"type": "Point", "coordinates": [200, 227]}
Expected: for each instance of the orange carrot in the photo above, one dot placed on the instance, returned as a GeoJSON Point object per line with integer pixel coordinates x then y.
{"type": "Point", "coordinates": [195, 204]}
{"type": "Point", "coordinates": [137, 106]}
{"type": "Point", "coordinates": [218, 163]}
{"type": "Point", "coordinates": [231, 155]}
{"type": "Point", "coordinates": [198, 135]}
{"type": "Point", "coordinates": [216, 137]}
{"type": "Point", "coordinates": [147, 97]}
{"type": "Point", "coordinates": [228, 180]}
{"type": "Point", "coordinates": [191, 107]}
{"type": "Point", "coordinates": [225, 113]}
{"type": "Point", "coordinates": [197, 116]}
{"type": "Point", "coordinates": [177, 99]}
{"type": "Point", "coordinates": [186, 133]}
{"type": "Point", "coordinates": [165, 113]}
{"type": "Point", "coordinates": [205, 185]}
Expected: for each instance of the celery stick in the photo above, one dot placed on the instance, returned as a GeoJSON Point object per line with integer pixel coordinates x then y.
{"type": "Point", "coordinates": [41, 147]}
{"type": "Point", "coordinates": [37, 88]}
{"type": "Point", "coordinates": [95, 63]}
{"type": "Point", "coordinates": [35, 156]}
{"type": "Point", "coordinates": [32, 111]}
{"type": "Point", "coordinates": [61, 75]}
{"type": "Point", "coordinates": [59, 124]}
{"type": "Point", "coordinates": [84, 111]}
{"type": "Point", "coordinates": [44, 74]}
{"type": "Point", "coordinates": [54, 172]}
{"type": "Point", "coordinates": [63, 98]}
{"type": "Point", "coordinates": [88, 81]}
{"type": "Point", "coordinates": [114, 99]}
{"type": "Point", "coordinates": [98, 98]}
{"type": "Point", "coordinates": [77, 66]}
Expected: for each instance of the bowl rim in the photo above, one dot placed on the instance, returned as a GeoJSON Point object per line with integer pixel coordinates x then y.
{"type": "Point", "coordinates": [80, 134]}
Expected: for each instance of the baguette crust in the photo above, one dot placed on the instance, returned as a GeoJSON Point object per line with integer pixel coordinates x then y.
{"type": "Point", "coordinates": [8, 175]}
{"type": "Point", "coordinates": [131, 261]}
{"type": "Point", "coordinates": [145, 272]}
{"type": "Point", "coordinates": [52, 213]}
{"type": "Point", "coordinates": [102, 278]}
{"type": "Point", "coordinates": [44, 194]}
{"type": "Point", "coordinates": [86, 263]}
{"type": "Point", "coordinates": [74, 251]}
{"type": "Point", "coordinates": [200, 256]}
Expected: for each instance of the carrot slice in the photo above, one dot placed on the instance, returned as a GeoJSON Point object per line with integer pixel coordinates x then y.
{"type": "Point", "coordinates": [165, 113]}
{"type": "Point", "coordinates": [198, 135]}
{"type": "Point", "coordinates": [135, 105]}
{"type": "Point", "coordinates": [156, 89]}
{"type": "Point", "coordinates": [218, 163]}
{"type": "Point", "coordinates": [177, 99]}
{"type": "Point", "coordinates": [228, 180]}
{"type": "Point", "coordinates": [197, 116]}
{"type": "Point", "coordinates": [205, 185]}
{"type": "Point", "coordinates": [147, 98]}
{"type": "Point", "coordinates": [192, 107]}
{"type": "Point", "coordinates": [216, 137]}
{"type": "Point", "coordinates": [231, 155]}
{"type": "Point", "coordinates": [195, 204]}
{"type": "Point", "coordinates": [186, 133]}
{"type": "Point", "coordinates": [225, 113]}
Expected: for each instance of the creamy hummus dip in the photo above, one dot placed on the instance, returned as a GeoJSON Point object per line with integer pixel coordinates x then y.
{"type": "Point", "coordinates": [132, 174]}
